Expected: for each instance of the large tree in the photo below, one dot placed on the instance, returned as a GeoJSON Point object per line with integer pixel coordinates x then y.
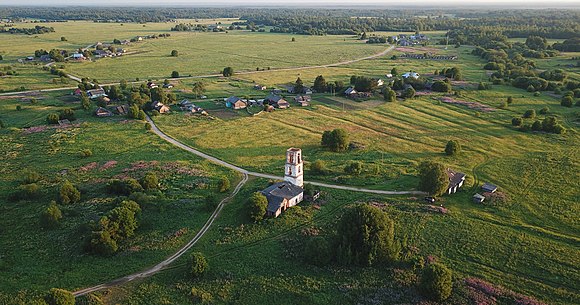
{"type": "Point", "coordinates": [433, 178]}
{"type": "Point", "coordinates": [68, 193]}
{"type": "Point", "coordinates": [336, 140]}
{"type": "Point", "coordinates": [366, 237]}
{"type": "Point", "coordinates": [198, 265]}
{"type": "Point", "coordinates": [257, 205]}
{"type": "Point", "coordinates": [228, 71]}
{"type": "Point", "coordinates": [452, 148]}
{"type": "Point", "coordinates": [320, 84]}
{"type": "Point", "coordinates": [198, 89]}
{"type": "Point", "coordinates": [298, 86]}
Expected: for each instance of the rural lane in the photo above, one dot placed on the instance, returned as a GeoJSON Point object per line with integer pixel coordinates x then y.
{"type": "Point", "coordinates": [342, 63]}
{"type": "Point", "coordinates": [194, 151]}
{"type": "Point", "coordinates": [162, 265]}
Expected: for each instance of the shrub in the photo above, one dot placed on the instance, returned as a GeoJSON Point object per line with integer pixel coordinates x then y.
{"type": "Point", "coordinates": [51, 216]}
{"type": "Point", "coordinates": [147, 126]}
{"type": "Point", "coordinates": [60, 297]}
{"type": "Point", "coordinates": [354, 168]}
{"type": "Point", "coordinates": [26, 192]}
{"type": "Point", "coordinates": [2, 125]}
{"type": "Point", "coordinates": [318, 167]}
{"type": "Point", "coordinates": [102, 243]}
{"type": "Point", "coordinates": [436, 282]}
{"type": "Point", "coordinates": [441, 86]}
{"type": "Point", "coordinates": [517, 121]}
{"type": "Point", "coordinates": [52, 118]}
{"type": "Point", "coordinates": [257, 205]}
{"type": "Point", "coordinates": [366, 237]}
{"type": "Point", "coordinates": [452, 148]}
{"type": "Point", "coordinates": [544, 110]}
{"type": "Point", "coordinates": [201, 296]}
{"type": "Point", "coordinates": [228, 71]}
{"type": "Point", "coordinates": [123, 221]}
{"type": "Point", "coordinates": [124, 187]}
{"type": "Point", "coordinates": [223, 184]}
{"type": "Point", "coordinates": [530, 114]}
{"type": "Point", "coordinates": [67, 114]}
{"type": "Point", "coordinates": [510, 100]}
{"type": "Point", "coordinates": [174, 74]}
{"type": "Point", "coordinates": [537, 126]}
{"type": "Point", "coordinates": [150, 181]}
{"type": "Point", "coordinates": [409, 93]}
{"type": "Point", "coordinates": [18, 108]}
{"type": "Point", "coordinates": [389, 95]}
{"type": "Point", "coordinates": [567, 101]}
{"type": "Point", "coordinates": [29, 177]}
{"type": "Point", "coordinates": [85, 153]}
{"type": "Point", "coordinates": [433, 178]}
{"type": "Point", "coordinates": [174, 53]}
{"type": "Point", "coordinates": [198, 265]}
{"type": "Point", "coordinates": [68, 193]}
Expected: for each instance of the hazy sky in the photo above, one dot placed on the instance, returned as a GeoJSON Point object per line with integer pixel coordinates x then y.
{"type": "Point", "coordinates": [525, 4]}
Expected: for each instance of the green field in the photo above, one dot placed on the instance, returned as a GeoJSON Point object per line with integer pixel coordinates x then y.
{"type": "Point", "coordinates": [527, 243]}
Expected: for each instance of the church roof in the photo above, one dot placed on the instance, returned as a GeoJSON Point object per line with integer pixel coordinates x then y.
{"type": "Point", "coordinates": [277, 192]}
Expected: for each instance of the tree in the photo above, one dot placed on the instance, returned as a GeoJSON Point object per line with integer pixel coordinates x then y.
{"type": "Point", "coordinates": [409, 93]}
{"type": "Point", "coordinates": [174, 74]}
{"type": "Point", "coordinates": [115, 92]}
{"type": "Point", "coordinates": [433, 178]}
{"type": "Point", "coordinates": [51, 216]}
{"type": "Point", "coordinates": [198, 89]}
{"type": "Point", "coordinates": [124, 221]}
{"type": "Point", "coordinates": [318, 167]}
{"type": "Point", "coordinates": [530, 114]}
{"type": "Point", "coordinates": [510, 100]}
{"type": "Point", "coordinates": [320, 84]}
{"type": "Point", "coordinates": [389, 95]}
{"type": "Point", "coordinates": [293, 39]}
{"type": "Point", "coordinates": [452, 148]}
{"type": "Point", "coordinates": [436, 282]}
{"type": "Point", "coordinates": [567, 101]}
{"type": "Point", "coordinates": [69, 193]}
{"type": "Point", "coordinates": [102, 243]}
{"type": "Point", "coordinates": [545, 110]}
{"type": "Point", "coordinates": [52, 118]}
{"type": "Point", "coordinates": [223, 184]}
{"type": "Point", "coordinates": [228, 71]}
{"type": "Point", "coordinates": [68, 114]}
{"type": "Point", "coordinates": [60, 297]}
{"type": "Point", "coordinates": [394, 72]}
{"type": "Point", "coordinates": [133, 112]}
{"type": "Point", "coordinates": [298, 86]}
{"type": "Point", "coordinates": [441, 86]}
{"type": "Point", "coordinates": [354, 168]}
{"type": "Point", "coordinates": [85, 102]}
{"type": "Point", "coordinates": [150, 181]}
{"type": "Point", "coordinates": [198, 265]}
{"type": "Point", "coordinates": [366, 237]}
{"type": "Point", "coordinates": [257, 205]}
{"type": "Point", "coordinates": [174, 53]}
{"type": "Point", "coordinates": [517, 122]}
{"type": "Point", "coordinates": [336, 140]}
{"type": "Point", "coordinates": [536, 43]}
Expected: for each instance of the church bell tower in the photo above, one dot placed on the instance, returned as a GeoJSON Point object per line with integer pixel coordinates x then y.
{"type": "Point", "coordinates": [293, 171]}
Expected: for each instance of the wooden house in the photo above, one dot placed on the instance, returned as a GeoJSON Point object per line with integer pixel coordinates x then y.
{"type": "Point", "coordinates": [235, 103]}
{"type": "Point", "coordinates": [96, 93]}
{"type": "Point", "coordinates": [277, 101]}
{"type": "Point", "coordinates": [303, 100]}
{"type": "Point", "coordinates": [103, 112]}
{"type": "Point", "coordinates": [456, 180]}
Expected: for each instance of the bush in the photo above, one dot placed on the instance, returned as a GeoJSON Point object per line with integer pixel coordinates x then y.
{"type": "Point", "coordinates": [198, 265]}
{"type": "Point", "coordinates": [544, 110]}
{"type": "Point", "coordinates": [147, 126]}
{"type": "Point", "coordinates": [510, 100]}
{"type": "Point", "coordinates": [26, 192]}
{"type": "Point", "coordinates": [389, 95]}
{"type": "Point", "coordinates": [257, 205]}
{"type": "Point", "coordinates": [336, 140]}
{"type": "Point", "coordinates": [18, 108]}
{"type": "Point", "coordinates": [530, 114]}
{"type": "Point", "coordinates": [174, 74]}
{"type": "Point", "coordinates": [537, 126]}
{"type": "Point", "coordinates": [228, 71]}
{"type": "Point", "coordinates": [67, 114]}
{"type": "Point", "coordinates": [433, 178]}
{"type": "Point", "coordinates": [85, 153]}
{"type": "Point", "coordinates": [354, 168]}
{"type": "Point", "coordinates": [567, 101]}
{"type": "Point", "coordinates": [29, 177]}
{"type": "Point", "coordinates": [68, 193]}
{"type": "Point", "coordinates": [441, 86]}
{"type": "Point", "coordinates": [2, 125]}
{"type": "Point", "coordinates": [366, 237]}
{"type": "Point", "coordinates": [150, 181]}
{"type": "Point", "coordinates": [318, 167]}
{"type": "Point", "coordinates": [124, 187]}
{"type": "Point", "coordinates": [223, 184]}
{"type": "Point", "coordinates": [409, 93]}
{"type": "Point", "coordinates": [123, 220]}
{"type": "Point", "coordinates": [102, 243]}
{"type": "Point", "coordinates": [52, 118]}
{"type": "Point", "coordinates": [201, 296]}
{"type": "Point", "coordinates": [517, 121]}
{"type": "Point", "coordinates": [452, 148]}
{"type": "Point", "coordinates": [174, 53]}
{"type": "Point", "coordinates": [436, 282]}
{"type": "Point", "coordinates": [59, 297]}
{"type": "Point", "coordinates": [51, 216]}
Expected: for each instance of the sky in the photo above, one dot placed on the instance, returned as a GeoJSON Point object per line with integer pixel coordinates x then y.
{"type": "Point", "coordinates": [524, 4]}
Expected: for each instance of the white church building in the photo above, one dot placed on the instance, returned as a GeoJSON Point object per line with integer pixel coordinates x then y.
{"type": "Point", "coordinates": [288, 193]}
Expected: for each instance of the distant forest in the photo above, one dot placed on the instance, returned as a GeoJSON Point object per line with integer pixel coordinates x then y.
{"type": "Point", "coordinates": [559, 24]}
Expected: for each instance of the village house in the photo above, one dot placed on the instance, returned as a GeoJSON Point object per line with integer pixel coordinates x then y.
{"type": "Point", "coordinates": [77, 92]}
{"type": "Point", "coordinates": [103, 112]}
{"type": "Point", "coordinates": [456, 180]}
{"type": "Point", "coordinates": [260, 87]}
{"type": "Point", "coordinates": [277, 101]}
{"type": "Point", "coordinates": [96, 93]}
{"type": "Point", "coordinates": [411, 74]}
{"type": "Point", "coordinates": [78, 56]}
{"type": "Point", "coordinates": [160, 107]}
{"type": "Point", "coordinates": [303, 100]}
{"type": "Point", "coordinates": [235, 103]}
{"type": "Point", "coordinates": [288, 193]}
{"type": "Point", "coordinates": [45, 58]}
{"type": "Point", "coordinates": [350, 91]}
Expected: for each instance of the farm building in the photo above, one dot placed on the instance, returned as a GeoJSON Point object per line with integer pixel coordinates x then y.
{"type": "Point", "coordinates": [477, 198]}
{"type": "Point", "coordinates": [96, 93]}
{"type": "Point", "coordinates": [350, 91]}
{"type": "Point", "coordinates": [78, 56]}
{"type": "Point", "coordinates": [103, 112]}
{"type": "Point", "coordinates": [160, 107]}
{"type": "Point", "coordinates": [122, 109]}
{"type": "Point", "coordinates": [303, 100]}
{"type": "Point", "coordinates": [260, 87]}
{"type": "Point", "coordinates": [235, 103]}
{"type": "Point", "coordinates": [289, 192]}
{"type": "Point", "coordinates": [456, 180]}
{"type": "Point", "coordinates": [277, 101]}
{"type": "Point", "coordinates": [489, 188]}
{"type": "Point", "coordinates": [414, 75]}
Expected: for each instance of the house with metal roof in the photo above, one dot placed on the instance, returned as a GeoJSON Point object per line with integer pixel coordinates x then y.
{"type": "Point", "coordinates": [281, 196]}
{"type": "Point", "coordinates": [489, 188]}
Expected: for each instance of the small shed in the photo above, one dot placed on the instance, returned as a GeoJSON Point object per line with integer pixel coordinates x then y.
{"type": "Point", "coordinates": [489, 188]}
{"type": "Point", "coordinates": [103, 112]}
{"type": "Point", "coordinates": [477, 198]}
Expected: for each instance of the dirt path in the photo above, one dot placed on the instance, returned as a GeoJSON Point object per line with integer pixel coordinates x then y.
{"type": "Point", "coordinates": [342, 63]}
{"type": "Point", "coordinates": [162, 265]}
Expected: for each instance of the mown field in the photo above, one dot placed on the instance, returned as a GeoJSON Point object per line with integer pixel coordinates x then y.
{"type": "Point", "coordinates": [34, 259]}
